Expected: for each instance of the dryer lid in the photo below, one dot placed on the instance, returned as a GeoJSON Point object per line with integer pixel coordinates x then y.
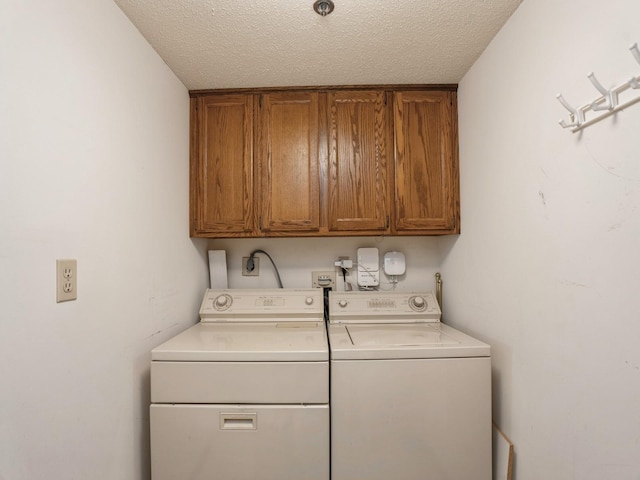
{"type": "Point", "coordinates": [247, 342]}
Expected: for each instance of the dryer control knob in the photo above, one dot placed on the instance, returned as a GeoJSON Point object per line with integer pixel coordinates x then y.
{"type": "Point", "coordinates": [222, 302]}
{"type": "Point", "coordinates": [417, 303]}
{"type": "Point", "coordinates": [308, 300]}
{"type": "Point", "coordinates": [342, 303]}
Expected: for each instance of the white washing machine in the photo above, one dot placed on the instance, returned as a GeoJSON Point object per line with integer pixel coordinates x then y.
{"type": "Point", "coordinates": [410, 396]}
{"type": "Point", "coordinates": [244, 394]}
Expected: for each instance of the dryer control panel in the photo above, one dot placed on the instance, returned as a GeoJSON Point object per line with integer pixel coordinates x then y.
{"type": "Point", "coordinates": [262, 305]}
{"type": "Point", "coordinates": [383, 307]}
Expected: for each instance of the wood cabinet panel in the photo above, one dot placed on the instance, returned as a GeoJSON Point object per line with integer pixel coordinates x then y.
{"type": "Point", "coordinates": [288, 162]}
{"type": "Point", "coordinates": [359, 135]}
{"type": "Point", "coordinates": [223, 176]}
{"type": "Point", "coordinates": [426, 178]}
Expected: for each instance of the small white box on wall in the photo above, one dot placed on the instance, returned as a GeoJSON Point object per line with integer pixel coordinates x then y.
{"type": "Point", "coordinates": [218, 269]}
{"type": "Point", "coordinates": [368, 267]}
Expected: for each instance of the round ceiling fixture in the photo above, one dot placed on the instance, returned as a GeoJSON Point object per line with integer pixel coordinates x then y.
{"type": "Point", "coordinates": [323, 7]}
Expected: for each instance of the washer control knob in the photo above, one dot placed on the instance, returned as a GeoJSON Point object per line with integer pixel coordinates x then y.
{"type": "Point", "coordinates": [222, 302]}
{"type": "Point", "coordinates": [342, 303]}
{"type": "Point", "coordinates": [417, 303]}
{"type": "Point", "coordinates": [308, 300]}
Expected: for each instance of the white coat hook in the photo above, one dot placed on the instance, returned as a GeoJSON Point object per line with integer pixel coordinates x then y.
{"type": "Point", "coordinates": [576, 115]}
{"type": "Point", "coordinates": [635, 51]}
{"type": "Point", "coordinates": [611, 98]}
{"type": "Point", "coordinates": [610, 101]}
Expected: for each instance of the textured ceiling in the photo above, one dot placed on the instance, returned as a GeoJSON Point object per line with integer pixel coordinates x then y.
{"type": "Point", "coordinates": [262, 43]}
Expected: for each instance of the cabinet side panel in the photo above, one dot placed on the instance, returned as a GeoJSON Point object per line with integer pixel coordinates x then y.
{"type": "Point", "coordinates": [226, 161]}
{"type": "Point", "coordinates": [194, 168]}
{"type": "Point", "coordinates": [358, 161]}
{"type": "Point", "coordinates": [424, 161]}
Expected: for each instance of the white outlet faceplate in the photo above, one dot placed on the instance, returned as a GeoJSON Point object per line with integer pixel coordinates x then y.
{"type": "Point", "coordinates": [256, 267]}
{"type": "Point", "coordinates": [323, 279]}
{"type": "Point", "coordinates": [66, 280]}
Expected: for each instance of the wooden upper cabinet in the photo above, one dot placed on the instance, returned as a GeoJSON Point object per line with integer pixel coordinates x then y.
{"type": "Point", "coordinates": [287, 159]}
{"type": "Point", "coordinates": [426, 163]}
{"type": "Point", "coordinates": [328, 161]}
{"type": "Point", "coordinates": [222, 168]}
{"type": "Point", "coordinates": [359, 139]}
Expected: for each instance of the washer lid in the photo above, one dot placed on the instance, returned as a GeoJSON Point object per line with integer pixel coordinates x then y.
{"type": "Point", "coordinates": [247, 342]}
{"type": "Point", "coordinates": [390, 341]}
{"type": "Point", "coordinates": [402, 335]}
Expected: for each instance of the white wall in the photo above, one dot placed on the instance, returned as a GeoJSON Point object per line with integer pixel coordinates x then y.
{"type": "Point", "coordinates": [94, 157]}
{"type": "Point", "coordinates": [296, 258]}
{"type": "Point", "coordinates": [547, 267]}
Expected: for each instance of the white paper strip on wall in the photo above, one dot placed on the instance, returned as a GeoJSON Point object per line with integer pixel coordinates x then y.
{"type": "Point", "coordinates": [218, 269]}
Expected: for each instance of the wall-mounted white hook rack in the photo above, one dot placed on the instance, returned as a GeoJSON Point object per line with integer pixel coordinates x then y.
{"type": "Point", "coordinates": [608, 102]}
{"type": "Point", "coordinates": [610, 96]}
{"type": "Point", "coordinates": [577, 117]}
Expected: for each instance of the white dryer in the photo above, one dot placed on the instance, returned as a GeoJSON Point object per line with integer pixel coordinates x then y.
{"type": "Point", "coordinates": [410, 396]}
{"type": "Point", "coordinates": [244, 393]}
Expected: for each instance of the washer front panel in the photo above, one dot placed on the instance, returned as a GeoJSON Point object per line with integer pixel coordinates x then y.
{"type": "Point", "coordinates": [411, 419]}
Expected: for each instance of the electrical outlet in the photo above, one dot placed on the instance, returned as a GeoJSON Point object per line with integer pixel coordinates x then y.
{"type": "Point", "coordinates": [256, 267]}
{"type": "Point", "coordinates": [323, 279]}
{"type": "Point", "coordinates": [66, 280]}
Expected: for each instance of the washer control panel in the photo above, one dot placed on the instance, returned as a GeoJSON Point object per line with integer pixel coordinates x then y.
{"type": "Point", "coordinates": [383, 307]}
{"type": "Point", "coordinates": [262, 305]}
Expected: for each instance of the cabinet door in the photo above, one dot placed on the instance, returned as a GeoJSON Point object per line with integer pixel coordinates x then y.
{"type": "Point", "coordinates": [426, 163]}
{"type": "Point", "coordinates": [288, 162]}
{"type": "Point", "coordinates": [359, 136]}
{"type": "Point", "coordinates": [221, 170]}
